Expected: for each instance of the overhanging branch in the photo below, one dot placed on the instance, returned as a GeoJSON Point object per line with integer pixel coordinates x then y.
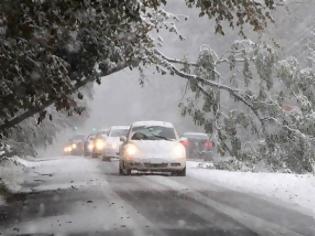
{"type": "Point", "coordinates": [31, 112]}
{"type": "Point", "coordinates": [232, 91]}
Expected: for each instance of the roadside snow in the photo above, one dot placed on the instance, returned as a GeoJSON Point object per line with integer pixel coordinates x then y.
{"type": "Point", "coordinates": [12, 172]}
{"type": "Point", "coordinates": [298, 190]}
{"type": "Point", "coordinates": [24, 162]}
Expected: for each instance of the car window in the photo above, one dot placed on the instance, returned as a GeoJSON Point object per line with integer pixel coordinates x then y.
{"type": "Point", "coordinates": [153, 133]}
{"type": "Point", "coordinates": [195, 136]}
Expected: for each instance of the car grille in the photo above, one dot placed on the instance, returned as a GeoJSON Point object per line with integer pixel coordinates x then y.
{"type": "Point", "coordinates": [155, 165]}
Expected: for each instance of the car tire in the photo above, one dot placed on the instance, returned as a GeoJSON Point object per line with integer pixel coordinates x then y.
{"type": "Point", "coordinates": [122, 170]}
{"type": "Point", "coordinates": [182, 172]}
{"type": "Point", "coordinates": [128, 171]}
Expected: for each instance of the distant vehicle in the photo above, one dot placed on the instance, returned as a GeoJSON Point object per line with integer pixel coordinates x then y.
{"type": "Point", "coordinates": [152, 146]}
{"type": "Point", "coordinates": [107, 143]}
{"type": "Point", "coordinates": [97, 144]}
{"type": "Point", "coordinates": [113, 141]}
{"type": "Point", "coordinates": [89, 144]}
{"type": "Point", "coordinates": [198, 145]}
{"type": "Point", "coordinates": [75, 145]}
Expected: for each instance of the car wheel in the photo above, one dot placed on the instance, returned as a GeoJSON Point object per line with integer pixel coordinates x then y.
{"type": "Point", "coordinates": [182, 172]}
{"type": "Point", "coordinates": [121, 170]}
{"type": "Point", "coordinates": [127, 171]}
{"type": "Point", "coordinates": [105, 158]}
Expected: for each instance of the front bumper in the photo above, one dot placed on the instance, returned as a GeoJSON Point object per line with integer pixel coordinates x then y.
{"type": "Point", "coordinates": [155, 165]}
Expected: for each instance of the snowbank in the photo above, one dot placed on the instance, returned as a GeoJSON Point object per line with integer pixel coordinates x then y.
{"type": "Point", "coordinates": [291, 188]}
{"type": "Point", "coordinates": [12, 172]}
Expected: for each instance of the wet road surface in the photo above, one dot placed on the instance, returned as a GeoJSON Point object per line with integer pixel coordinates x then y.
{"type": "Point", "coordinates": [82, 196]}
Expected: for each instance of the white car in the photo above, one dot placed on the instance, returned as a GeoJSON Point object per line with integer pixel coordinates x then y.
{"type": "Point", "coordinates": [152, 146]}
{"type": "Point", "coordinates": [113, 142]}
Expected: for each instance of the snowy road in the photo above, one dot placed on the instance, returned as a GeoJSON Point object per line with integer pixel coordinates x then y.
{"type": "Point", "coordinates": [79, 196]}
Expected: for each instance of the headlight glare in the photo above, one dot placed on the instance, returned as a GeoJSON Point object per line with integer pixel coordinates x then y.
{"type": "Point", "coordinates": [179, 151]}
{"type": "Point", "coordinates": [131, 150]}
{"type": "Point", "coordinates": [67, 149]}
{"type": "Point", "coordinates": [90, 146]}
{"type": "Point", "coordinates": [99, 144]}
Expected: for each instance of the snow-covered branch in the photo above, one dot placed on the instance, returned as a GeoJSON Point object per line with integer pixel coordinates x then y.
{"type": "Point", "coordinates": [33, 111]}
{"type": "Point", "coordinates": [296, 131]}
{"type": "Point", "coordinates": [233, 91]}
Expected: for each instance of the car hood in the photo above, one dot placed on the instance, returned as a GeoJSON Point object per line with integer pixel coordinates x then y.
{"type": "Point", "coordinates": [113, 140]}
{"type": "Point", "coordinates": [155, 147]}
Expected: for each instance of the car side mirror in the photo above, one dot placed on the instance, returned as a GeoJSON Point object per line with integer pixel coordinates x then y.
{"type": "Point", "coordinates": [123, 139]}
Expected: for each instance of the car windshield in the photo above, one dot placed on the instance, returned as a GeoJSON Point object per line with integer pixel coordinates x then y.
{"type": "Point", "coordinates": [196, 136]}
{"type": "Point", "coordinates": [153, 133]}
{"type": "Point", "coordinates": [118, 132]}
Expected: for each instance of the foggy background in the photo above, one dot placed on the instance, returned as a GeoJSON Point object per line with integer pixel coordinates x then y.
{"type": "Point", "coordinates": [120, 100]}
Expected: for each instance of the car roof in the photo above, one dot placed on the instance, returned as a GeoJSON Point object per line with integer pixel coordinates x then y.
{"type": "Point", "coordinates": [195, 134]}
{"type": "Point", "coordinates": [153, 123]}
{"type": "Point", "coordinates": [120, 127]}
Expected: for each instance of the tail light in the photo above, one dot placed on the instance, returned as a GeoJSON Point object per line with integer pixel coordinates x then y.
{"type": "Point", "coordinates": [185, 142]}
{"type": "Point", "coordinates": [208, 145]}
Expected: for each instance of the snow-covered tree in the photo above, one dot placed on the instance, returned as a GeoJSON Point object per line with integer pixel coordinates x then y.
{"type": "Point", "coordinates": [261, 107]}
{"type": "Point", "coordinates": [34, 133]}
{"type": "Point", "coordinates": [49, 49]}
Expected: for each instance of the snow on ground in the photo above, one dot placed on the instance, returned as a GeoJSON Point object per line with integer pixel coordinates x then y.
{"type": "Point", "coordinates": [297, 190]}
{"type": "Point", "coordinates": [290, 188]}
{"type": "Point", "coordinates": [12, 172]}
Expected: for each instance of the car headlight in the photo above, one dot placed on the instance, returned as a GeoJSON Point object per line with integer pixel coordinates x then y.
{"type": "Point", "coordinates": [179, 151]}
{"type": "Point", "coordinates": [99, 144]}
{"type": "Point", "coordinates": [67, 149]}
{"type": "Point", "coordinates": [90, 146]}
{"type": "Point", "coordinates": [73, 146]}
{"type": "Point", "coordinates": [131, 150]}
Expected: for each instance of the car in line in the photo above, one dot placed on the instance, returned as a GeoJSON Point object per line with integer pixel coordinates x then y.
{"type": "Point", "coordinates": [152, 146]}
{"type": "Point", "coordinates": [198, 145]}
{"type": "Point", "coordinates": [113, 141]}
{"type": "Point", "coordinates": [89, 144]}
{"type": "Point", "coordinates": [75, 145]}
{"type": "Point", "coordinates": [107, 143]}
{"type": "Point", "coordinates": [98, 143]}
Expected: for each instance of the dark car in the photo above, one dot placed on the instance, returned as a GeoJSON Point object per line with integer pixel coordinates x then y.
{"type": "Point", "coordinates": [75, 145]}
{"type": "Point", "coordinates": [198, 145]}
